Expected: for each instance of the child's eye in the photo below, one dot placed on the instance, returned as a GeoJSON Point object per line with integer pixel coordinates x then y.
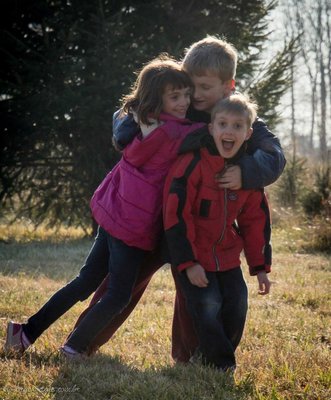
{"type": "Point", "coordinates": [238, 126]}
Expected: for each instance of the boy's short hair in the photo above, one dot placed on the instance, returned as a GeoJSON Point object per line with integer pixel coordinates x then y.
{"type": "Point", "coordinates": [236, 103]}
{"type": "Point", "coordinates": [211, 54]}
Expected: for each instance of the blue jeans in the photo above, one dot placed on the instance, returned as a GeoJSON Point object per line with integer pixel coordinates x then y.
{"type": "Point", "coordinates": [107, 254]}
{"type": "Point", "coordinates": [219, 314]}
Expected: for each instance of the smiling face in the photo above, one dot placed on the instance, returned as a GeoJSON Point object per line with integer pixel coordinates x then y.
{"type": "Point", "coordinates": [229, 130]}
{"type": "Point", "coordinates": [208, 89]}
{"type": "Point", "coordinates": [176, 101]}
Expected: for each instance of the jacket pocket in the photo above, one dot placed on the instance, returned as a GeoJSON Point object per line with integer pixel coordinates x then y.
{"type": "Point", "coordinates": [208, 203]}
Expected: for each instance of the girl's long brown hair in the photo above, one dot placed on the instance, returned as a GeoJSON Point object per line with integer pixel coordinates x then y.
{"type": "Point", "coordinates": [146, 94]}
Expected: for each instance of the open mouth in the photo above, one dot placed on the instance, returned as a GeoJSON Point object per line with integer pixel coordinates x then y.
{"type": "Point", "coordinates": [227, 144]}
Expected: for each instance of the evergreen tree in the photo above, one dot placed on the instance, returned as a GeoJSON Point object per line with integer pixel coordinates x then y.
{"type": "Point", "coordinates": [68, 63]}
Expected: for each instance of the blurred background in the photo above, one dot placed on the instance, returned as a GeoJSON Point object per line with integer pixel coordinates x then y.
{"type": "Point", "coordinates": [65, 64]}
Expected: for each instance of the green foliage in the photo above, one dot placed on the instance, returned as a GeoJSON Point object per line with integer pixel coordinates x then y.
{"type": "Point", "coordinates": [323, 181]}
{"type": "Point", "coordinates": [316, 204]}
{"type": "Point", "coordinates": [320, 239]}
{"type": "Point", "coordinates": [317, 200]}
{"type": "Point", "coordinates": [273, 82]}
{"type": "Point", "coordinates": [65, 66]}
{"type": "Point", "coordinates": [312, 203]}
{"type": "Point", "coordinates": [291, 183]}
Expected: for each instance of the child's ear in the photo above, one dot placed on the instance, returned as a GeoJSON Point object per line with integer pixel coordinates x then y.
{"type": "Point", "coordinates": [210, 127]}
{"type": "Point", "coordinates": [249, 133]}
{"type": "Point", "coordinates": [229, 87]}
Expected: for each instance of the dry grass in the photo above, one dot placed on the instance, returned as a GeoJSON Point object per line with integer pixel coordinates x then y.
{"type": "Point", "coordinates": [285, 352]}
{"type": "Point", "coordinates": [24, 231]}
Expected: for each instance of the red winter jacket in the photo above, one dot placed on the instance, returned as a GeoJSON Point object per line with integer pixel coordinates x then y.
{"type": "Point", "coordinates": [209, 225]}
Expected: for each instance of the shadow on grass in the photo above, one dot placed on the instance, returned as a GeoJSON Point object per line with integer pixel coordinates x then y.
{"type": "Point", "coordinates": [106, 378]}
{"type": "Point", "coordinates": [55, 260]}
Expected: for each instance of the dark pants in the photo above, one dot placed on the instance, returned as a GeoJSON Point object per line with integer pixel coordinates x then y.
{"type": "Point", "coordinates": [152, 262]}
{"type": "Point", "coordinates": [219, 314]}
{"type": "Point", "coordinates": [107, 255]}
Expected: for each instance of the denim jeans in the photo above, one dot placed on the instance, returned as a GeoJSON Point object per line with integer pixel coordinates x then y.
{"type": "Point", "coordinates": [219, 314]}
{"type": "Point", "coordinates": [107, 255]}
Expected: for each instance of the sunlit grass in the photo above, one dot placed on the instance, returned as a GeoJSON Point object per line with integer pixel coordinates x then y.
{"type": "Point", "coordinates": [284, 353]}
{"type": "Point", "coordinates": [25, 231]}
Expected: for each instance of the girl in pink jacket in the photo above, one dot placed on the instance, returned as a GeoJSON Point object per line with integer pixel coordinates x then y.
{"type": "Point", "coordinates": [128, 208]}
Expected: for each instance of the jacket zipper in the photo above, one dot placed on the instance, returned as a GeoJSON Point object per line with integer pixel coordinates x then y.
{"type": "Point", "coordinates": [222, 233]}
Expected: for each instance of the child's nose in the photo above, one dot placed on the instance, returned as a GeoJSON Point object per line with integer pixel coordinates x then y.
{"type": "Point", "coordinates": [184, 101]}
{"type": "Point", "coordinates": [196, 93]}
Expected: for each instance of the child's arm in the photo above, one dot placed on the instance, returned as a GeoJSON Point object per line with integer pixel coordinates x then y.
{"type": "Point", "coordinates": [125, 129]}
{"type": "Point", "coordinates": [255, 229]}
{"type": "Point", "coordinates": [264, 283]}
{"type": "Point", "coordinates": [197, 275]}
{"type": "Point", "coordinates": [179, 197]}
{"type": "Point", "coordinates": [262, 164]}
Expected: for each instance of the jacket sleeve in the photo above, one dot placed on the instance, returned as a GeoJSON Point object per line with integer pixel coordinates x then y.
{"type": "Point", "coordinates": [125, 129]}
{"type": "Point", "coordinates": [264, 161]}
{"type": "Point", "coordinates": [179, 194]}
{"type": "Point", "coordinates": [255, 229]}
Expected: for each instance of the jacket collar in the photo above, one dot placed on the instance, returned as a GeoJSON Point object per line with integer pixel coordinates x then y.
{"type": "Point", "coordinates": [167, 117]}
{"type": "Point", "coordinates": [197, 116]}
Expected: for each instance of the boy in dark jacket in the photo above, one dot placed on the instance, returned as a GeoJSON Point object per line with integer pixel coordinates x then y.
{"type": "Point", "coordinates": [208, 227]}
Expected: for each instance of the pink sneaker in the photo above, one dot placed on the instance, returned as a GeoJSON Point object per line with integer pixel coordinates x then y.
{"type": "Point", "coordinates": [16, 340]}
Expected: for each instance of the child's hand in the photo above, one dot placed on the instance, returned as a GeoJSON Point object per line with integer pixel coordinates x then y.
{"type": "Point", "coordinates": [197, 275]}
{"type": "Point", "coordinates": [264, 283]}
{"type": "Point", "coordinates": [230, 178]}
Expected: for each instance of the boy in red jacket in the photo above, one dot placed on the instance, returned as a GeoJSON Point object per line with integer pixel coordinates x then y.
{"type": "Point", "coordinates": [207, 228]}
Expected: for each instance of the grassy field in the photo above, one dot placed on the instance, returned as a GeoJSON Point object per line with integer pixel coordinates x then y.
{"type": "Point", "coordinates": [285, 352]}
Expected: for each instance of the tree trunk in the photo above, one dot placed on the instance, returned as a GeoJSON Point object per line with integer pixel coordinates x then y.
{"type": "Point", "coordinates": [293, 122]}
{"type": "Point", "coordinates": [323, 92]}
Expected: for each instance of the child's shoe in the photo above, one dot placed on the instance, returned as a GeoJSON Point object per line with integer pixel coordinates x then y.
{"type": "Point", "coordinates": [16, 340]}
{"type": "Point", "coordinates": [71, 354]}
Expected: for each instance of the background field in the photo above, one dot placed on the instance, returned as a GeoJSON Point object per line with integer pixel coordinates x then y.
{"type": "Point", "coordinates": [285, 352]}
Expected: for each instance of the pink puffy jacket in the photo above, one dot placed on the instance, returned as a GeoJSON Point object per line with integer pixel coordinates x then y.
{"type": "Point", "coordinates": [128, 202]}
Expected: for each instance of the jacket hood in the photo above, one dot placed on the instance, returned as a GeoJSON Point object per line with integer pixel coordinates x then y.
{"type": "Point", "coordinates": [168, 117]}
{"type": "Point", "coordinates": [196, 140]}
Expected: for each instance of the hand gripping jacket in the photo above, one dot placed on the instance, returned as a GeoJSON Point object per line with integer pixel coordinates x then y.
{"type": "Point", "coordinates": [209, 225]}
